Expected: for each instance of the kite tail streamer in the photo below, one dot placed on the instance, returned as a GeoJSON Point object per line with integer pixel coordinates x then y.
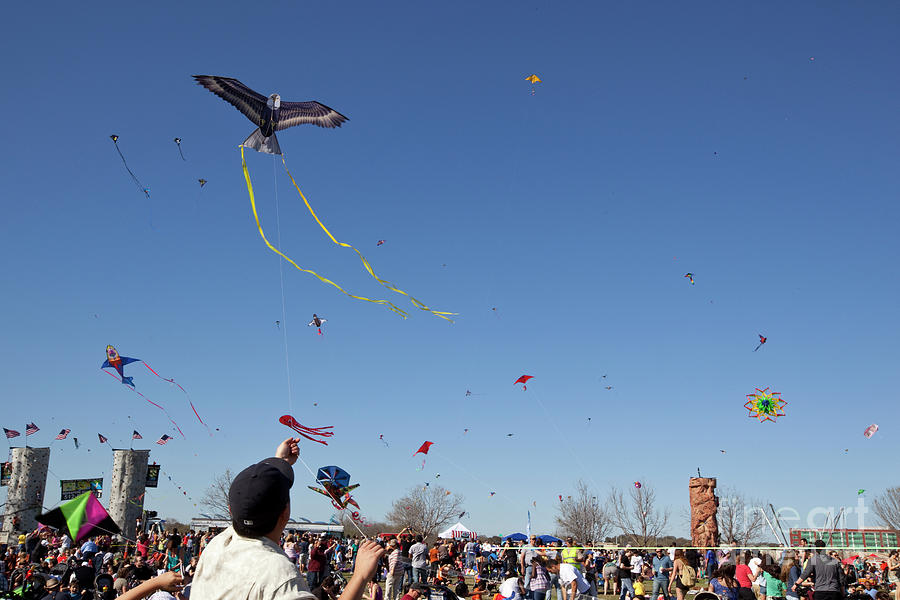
{"type": "Point", "coordinates": [262, 234]}
{"type": "Point", "coordinates": [137, 182]}
{"type": "Point", "coordinates": [168, 416]}
{"type": "Point", "coordinates": [172, 381]}
{"type": "Point", "coordinates": [417, 303]}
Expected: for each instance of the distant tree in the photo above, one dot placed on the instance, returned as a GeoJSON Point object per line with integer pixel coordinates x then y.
{"type": "Point", "coordinates": [887, 508]}
{"type": "Point", "coordinates": [425, 510]}
{"type": "Point", "coordinates": [636, 514]}
{"type": "Point", "coordinates": [741, 520]}
{"type": "Point", "coordinates": [173, 523]}
{"type": "Point", "coordinates": [215, 498]}
{"type": "Point", "coordinates": [581, 516]}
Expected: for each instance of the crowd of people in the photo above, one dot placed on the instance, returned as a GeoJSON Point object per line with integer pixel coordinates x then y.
{"type": "Point", "coordinates": [255, 558]}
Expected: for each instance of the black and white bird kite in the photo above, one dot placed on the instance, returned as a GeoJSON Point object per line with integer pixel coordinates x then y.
{"type": "Point", "coordinates": [269, 114]}
{"type": "Point", "coordinates": [317, 322]}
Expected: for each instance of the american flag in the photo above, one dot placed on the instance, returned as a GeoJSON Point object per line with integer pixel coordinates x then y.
{"type": "Point", "coordinates": [102, 439]}
{"type": "Point", "coordinates": [31, 428]}
{"type": "Point", "coordinates": [62, 434]}
{"type": "Point", "coordinates": [11, 433]}
{"type": "Point", "coordinates": [162, 441]}
{"type": "Point", "coordinates": [136, 436]}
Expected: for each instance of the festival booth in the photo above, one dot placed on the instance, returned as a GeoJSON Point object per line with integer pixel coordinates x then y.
{"type": "Point", "coordinates": [515, 537]}
{"type": "Point", "coordinates": [458, 532]}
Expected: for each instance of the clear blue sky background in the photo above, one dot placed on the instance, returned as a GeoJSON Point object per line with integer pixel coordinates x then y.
{"type": "Point", "coordinates": [665, 138]}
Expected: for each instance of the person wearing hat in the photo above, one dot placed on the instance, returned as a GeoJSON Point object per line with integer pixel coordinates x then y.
{"type": "Point", "coordinates": [246, 560]}
{"type": "Point", "coordinates": [51, 589]}
{"type": "Point", "coordinates": [416, 591]}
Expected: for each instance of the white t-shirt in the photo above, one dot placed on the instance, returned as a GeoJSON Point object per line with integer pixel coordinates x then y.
{"type": "Point", "coordinates": [509, 589]}
{"type": "Point", "coordinates": [568, 573]}
{"type": "Point", "coordinates": [233, 567]}
{"type": "Point", "coordinates": [636, 563]}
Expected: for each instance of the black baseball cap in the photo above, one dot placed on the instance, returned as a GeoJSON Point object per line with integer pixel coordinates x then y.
{"type": "Point", "coordinates": [258, 495]}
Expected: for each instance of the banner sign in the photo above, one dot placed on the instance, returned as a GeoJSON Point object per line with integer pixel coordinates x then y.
{"type": "Point", "coordinates": [71, 488]}
{"type": "Point", "coordinates": [152, 476]}
{"type": "Point", "coordinates": [5, 473]}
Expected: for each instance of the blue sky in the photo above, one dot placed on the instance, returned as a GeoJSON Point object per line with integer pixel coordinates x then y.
{"type": "Point", "coordinates": [665, 138]}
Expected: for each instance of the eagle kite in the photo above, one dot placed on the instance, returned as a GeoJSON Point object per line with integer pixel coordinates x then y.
{"type": "Point", "coordinates": [269, 114]}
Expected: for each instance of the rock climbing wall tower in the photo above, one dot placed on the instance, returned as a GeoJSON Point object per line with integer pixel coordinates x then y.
{"type": "Point", "coordinates": [126, 490]}
{"type": "Point", "coordinates": [704, 507]}
{"type": "Point", "coordinates": [25, 497]}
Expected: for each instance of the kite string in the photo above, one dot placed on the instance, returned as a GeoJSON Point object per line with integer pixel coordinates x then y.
{"type": "Point", "coordinates": [564, 439]}
{"type": "Point", "coordinates": [300, 458]}
{"type": "Point", "coordinates": [130, 172]}
{"type": "Point", "coordinates": [287, 360]}
{"type": "Point", "coordinates": [386, 303]}
{"type": "Point", "coordinates": [365, 262]}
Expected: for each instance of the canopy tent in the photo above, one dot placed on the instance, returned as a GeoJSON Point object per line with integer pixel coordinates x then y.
{"type": "Point", "coordinates": [547, 539]}
{"type": "Point", "coordinates": [458, 531]}
{"type": "Point", "coordinates": [515, 537]}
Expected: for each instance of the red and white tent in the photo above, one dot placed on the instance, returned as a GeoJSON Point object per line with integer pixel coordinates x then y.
{"type": "Point", "coordinates": [458, 531]}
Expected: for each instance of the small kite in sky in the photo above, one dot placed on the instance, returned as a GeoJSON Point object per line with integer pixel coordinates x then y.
{"type": "Point", "coordinates": [523, 380]}
{"type": "Point", "coordinates": [81, 517]}
{"type": "Point", "coordinates": [269, 114]}
{"type": "Point", "coordinates": [870, 430]}
{"type": "Point", "coordinates": [317, 323]}
{"type": "Point", "coordinates": [765, 405]}
{"type": "Point", "coordinates": [762, 340]}
{"type": "Point", "coordinates": [141, 186]}
{"type": "Point", "coordinates": [424, 448]}
{"type": "Point", "coordinates": [690, 276]}
{"type": "Point", "coordinates": [461, 515]}
{"type": "Point", "coordinates": [309, 433]}
{"type": "Point", "coordinates": [492, 494]}
{"type": "Point", "coordinates": [202, 182]}
{"type": "Point", "coordinates": [609, 387]}
{"type": "Point", "coordinates": [560, 497]}
{"type": "Point", "coordinates": [465, 431]}
{"type": "Point", "coordinates": [509, 434]}
{"type": "Point", "coordinates": [118, 363]}
{"type": "Point", "coordinates": [533, 79]}
{"type": "Point", "coordinates": [278, 324]}
{"type": "Point", "coordinates": [379, 242]}
{"type": "Point", "coordinates": [860, 492]}
{"type": "Point", "coordinates": [178, 143]}
{"type": "Point", "coordinates": [637, 484]}
{"type": "Point", "coordinates": [383, 441]}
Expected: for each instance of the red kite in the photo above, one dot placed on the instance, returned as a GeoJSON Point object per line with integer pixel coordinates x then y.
{"type": "Point", "coordinates": [424, 448]}
{"type": "Point", "coordinates": [523, 380]}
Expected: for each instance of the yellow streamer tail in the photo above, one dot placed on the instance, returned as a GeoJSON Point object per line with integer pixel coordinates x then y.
{"type": "Point", "coordinates": [387, 284]}
{"type": "Point", "coordinates": [386, 303]}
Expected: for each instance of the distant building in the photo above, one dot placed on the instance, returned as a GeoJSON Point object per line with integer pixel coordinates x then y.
{"type": "Point", "coordinates": [874, 538]}
{"type": "Point", "coordinates": [292, 526]}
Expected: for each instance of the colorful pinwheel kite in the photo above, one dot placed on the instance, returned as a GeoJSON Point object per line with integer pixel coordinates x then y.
{"type": "Point", "coordinates": [765, 405]}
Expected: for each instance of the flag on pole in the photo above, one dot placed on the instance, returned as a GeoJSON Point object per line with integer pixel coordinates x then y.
{"type": "Point", "coordinates": [162, 441]}
{"type": "Point", "coordinates": [11, 433]}
{"type": "Point", "coordinates": [136, 436]}
{"type": "Point", "coordinates": [102, 439]}
{"type": "Point", "coordinates": [63, 434]}
{"type": "Point", "coordinates": [31, 428]}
